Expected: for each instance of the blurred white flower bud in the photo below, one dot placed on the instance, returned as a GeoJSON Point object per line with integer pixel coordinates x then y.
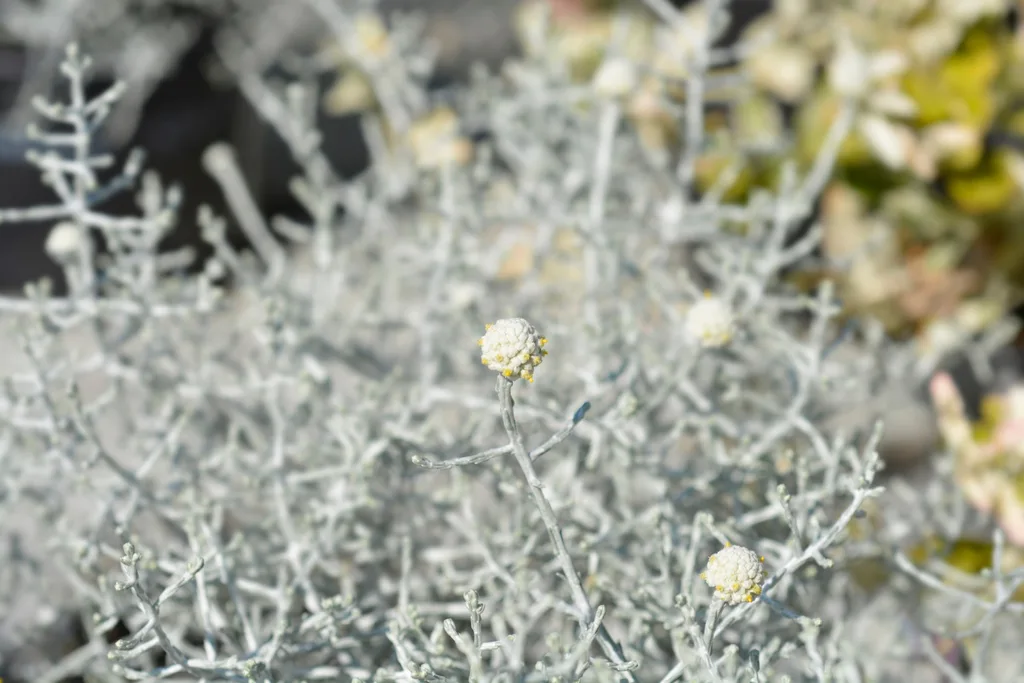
{"type": "Point", "coordinates": [215, 269]}
{"type": "Point", "coordinates": [513, 347]}
{"type": "Point", "coordinates": [615, 78]}
{"type": "Point", "coordinates": [710, 322]}
{"type": "Point", "coordinates": [64, 242]}
{"type": "Point", "coordinates": [736, 573]}
{"type": "Point", "coordinates": [785, 70]}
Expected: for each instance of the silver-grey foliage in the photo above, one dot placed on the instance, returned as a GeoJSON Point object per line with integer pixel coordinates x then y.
{"type": "Point", "coordinates": [292, 466]}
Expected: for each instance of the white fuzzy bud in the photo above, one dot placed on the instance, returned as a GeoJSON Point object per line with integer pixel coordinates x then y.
{"type": "Point", "coordinates": [64, 242]}
{"type": "Point", "coordinates": [736, 573]}
{"type": "Point", "coordinates": [616, 77]}
{"type": "Point", "coordinates": [710, 322]}
{"type": "Point", "coordinates": [512, 347]}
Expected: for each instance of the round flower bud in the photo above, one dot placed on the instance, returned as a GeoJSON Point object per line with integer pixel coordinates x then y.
{"type": "Point", "coordinates": [616, 77]}
{"type": "Point", "coordinates": [710, 321]}
{"type": "Point", "coordinates": [736, 574]}
{"type": "Point", "coordinates": [513, 347]}
{"type": "Point", "coordinates": [215, 269]}
{"type": "Point", "coordinates": [64, 242]}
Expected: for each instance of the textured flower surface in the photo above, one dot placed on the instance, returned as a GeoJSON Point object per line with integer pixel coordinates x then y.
{"type": "Point", "coordinates": [736, 573]}
{"type": "Point", "coordinates": [513, 347]}
{"type": "Point", "coordinates": [710, 321]}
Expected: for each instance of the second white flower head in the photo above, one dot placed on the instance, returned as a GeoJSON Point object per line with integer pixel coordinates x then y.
{"type": "Point", "coordinates": [513, 347]}
{"type": "Point", "coordinates": [710, 322]}
{"type": "Point", "coordinates": [64, 242]}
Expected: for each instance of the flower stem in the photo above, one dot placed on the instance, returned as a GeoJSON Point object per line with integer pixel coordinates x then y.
{"type": "Point", "coordinates": [586, 612]}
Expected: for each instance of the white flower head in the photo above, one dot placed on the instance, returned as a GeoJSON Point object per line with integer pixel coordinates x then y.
{"type": "Point", "coordinates": [512, 347]}
{"type": "Point", "coordinates": [736, 573]}
{"type": "Point", "coordinates": [64, 242]}
{"type": "Point", "coordinates": [616, 77]}
{"type": "Point", "coordinates": [710, 321]}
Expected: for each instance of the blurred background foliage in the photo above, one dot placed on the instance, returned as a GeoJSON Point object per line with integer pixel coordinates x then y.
{"type": "Point", "coordinates": [922, 220]}
{"type": "Point", "coordinates": [922, 217]}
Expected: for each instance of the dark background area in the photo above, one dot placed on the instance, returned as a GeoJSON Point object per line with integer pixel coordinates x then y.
{"type": "Point", "coordinates": [187, 113]}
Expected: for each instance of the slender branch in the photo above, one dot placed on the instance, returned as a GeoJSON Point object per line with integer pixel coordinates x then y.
{"type": "Point", "coordinates": [586, 612]}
